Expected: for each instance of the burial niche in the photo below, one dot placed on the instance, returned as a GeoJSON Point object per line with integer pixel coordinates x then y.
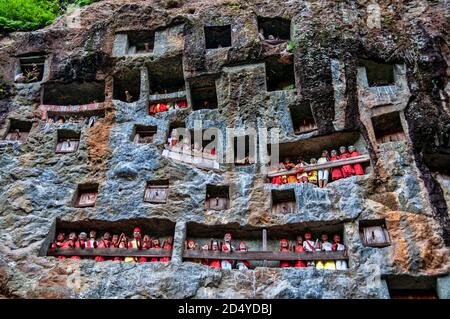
{"type": "Point", "coordinates": [203, 93]}
{"type": "Point", "coordinates": [31, 68]}
{"type": "Point", "coordinates": [373, 233]}
{"type": "Point", "coordinates": [156, 192]}
{"type": "Point", "coordinates": [144, 134]}
{"type": "Point", "coordinates": [68, 141]}
{"type": "Point", "coordinates": [18, 130]}
{"type": "Point", "coordinates": [411, 287]}
{"type": "Point", "coordinates": [217, 197]}
{"type": "Point", "coordinates": [74, 93]}
{"type": "Point", "coordinates": [283, 201]}
{"type": "Point", "coordinates": [127, 86]}
{"type": "Point", "coordinates": [388, 128]}
{"type": "Point", "coordinates": [166, 77]}
{"type": "Point", "coordinates": [86, 195]}
{"type": "Point", "coordinates": [137, 42]}
{"type": "Point", "coordinates": [379, 74]}
{"type": "Point", "coordinates": [302, 118]}
{"type": "Point", "coordinates": [274, 28]}
{"type": "Point", "coordinates": [217, 36]}
{"type": "Point", "coordinates": [244, 150]}
{"type": "Point", "coordinates": [279, 76]}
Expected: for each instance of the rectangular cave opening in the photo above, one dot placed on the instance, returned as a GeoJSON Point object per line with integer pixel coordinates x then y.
{"type": "Point", "coordinates": [283, 201]}
{"type": "Point", "coordinates": [68, 141]}
{"type": "Point", "coordinates": [144, 134]}
{"type": "Point", "coordinates": [374, 233]}
{"type": "Point", "coordinates": [166, 76]}
{"type": "Point", "coordinates": [411, 287]}
{"type": "Point", "coordinates": [86, 195]}
{"type": "Point", "coordinates": [262, 244]}
{"type": "Point", "coordinates": [217, 197]}
{"type": "Point", "coordinates": [279, 76]}
{"type": "Point", "coordinates": [89, 117]}
{"type": "Point", "coordinates": [203, 93]}
{"type": "Point", "coordinates": [244, 150]}
{"type": "Point", "coordinates": [162, 229]}
{"type": "Point", "coordinates": [388, 128]}
{"type": "Point", "coordinates": [302, 118]}
{"type": "Point", "coordinates": [127, 86]}
{"type": "Point", "coordinates": [157, 191]}
{"type": "Point", "coordinates": [217, 36]}
{"type": "Point", "coordinates": [18, 130]}
{"type": "Point", "coordinates": [378, 74]}
{"type": "Point", "coordinates": [74, 93]}
{"type": "Point", "coordinates": [32, 67]}
{"type": "Point", "coordinates": [274, 28]}
{"type": "Point", "coordinates": [139, 41]}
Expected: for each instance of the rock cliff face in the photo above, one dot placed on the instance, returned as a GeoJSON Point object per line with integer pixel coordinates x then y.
{"type": "Point", "coordinates": [332, 45]}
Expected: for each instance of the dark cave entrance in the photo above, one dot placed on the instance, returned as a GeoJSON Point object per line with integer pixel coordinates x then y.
{"type": "Point", "coordinates": [127, 82]}
{"type": "Point", "coordinates": [203, 93]}
{"type": "Point", "coordinates": [217, 197]}
{"type": "Point", "coordinates": [32, 67]}
{"type": "Point", "coordinates": [75, 93]}
{"type": "Point", "coordinates": [140, 42]}
{"type": "Point", "coordinates": [279, 76]}
{"type": "Point", "coordinates": [283, 201]}
{"type": "Point", "coordinates": [302, 118]}
{"type": "Point", "coordinates": [166, 76]}
{"type": "Point", "coordinates": [379, 74]}
{"type": "Point", "coordinates": [275, 28]}
{"type": "Point", "coordinates": [244, 150]}
{"type": "Point", "coordinates": [388, 128]}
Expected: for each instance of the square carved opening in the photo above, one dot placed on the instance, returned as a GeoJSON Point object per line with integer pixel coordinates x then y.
{"type": "Point", "coordinates": [74, 93]}
{"type": "Point", "coordinates": [144, 134]}
{"type": "Point", "coordinates": [86, 195]}
{"type": "Point", "coordinates": [68, 141]}
{"type": "Point", "coordinates": [217, 197]}
{"type": "Point", "coordinates": [157, 192]}
{"type": "Point", "coordinates": [244, 150]}
{"type": "Point", "coordinates": [412, 287]}
{"type": "Point", "coordinates": [217, 36]}
{"type": "Point", "coordinates": [388, 128]}
{"type": "Point", "coordinates": [204, 94]}
{"type": "Point", "coordinates": [379, 74]}
{"type": "Point", "coordinates": [140, 42]}
{"type": "Point", "coordinates": [166, 76]}
{"type": "Point", "coordinates": [275, 28]}
{"type": "Point", "coordinates": [279, 76]}
{"type": "Point", "coordinates": [302, 118]}
{"type": "Point", "coordinates": [127, 86]}
{"type": "Point", "coordinates": [32, 67]}
{"type": "Point", "coordinates": [283, 201]}
{"type": "Point", "coordinates": [18, 130]}
{"type": "Point", "coordinates": [373, 233]}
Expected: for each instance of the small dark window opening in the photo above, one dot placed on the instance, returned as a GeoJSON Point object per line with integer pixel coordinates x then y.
{"type": "Point", "coordinates": [204, 97]}
{"type": "Point", "coordinates": [279, 76]}
{"type": "Point", "coordinates": [74, 93]}
{"type": "Point", "coordinates": [283, 201]}
{"type": "Point", "coordinates": [68, 141]}
{"type": "Point", "coordinates": [32, 67]}
{"type": "Point", "coordinates": [18, 130]}
{"type": "Point", "coordinates": [156, 192]}
{"type": "Point", "coordinates": [86, 195]}
{"type": "Point", "coordinates": [411, 287]}
{"type": "Point", "coordinates": [302, 118]}
{"type": "Point", "coordinates": [166, 76]}
{"type": "Point", "coordinates": [217, 36]}
{"type": "Point", "coordinates": [379, 74]}
{"type": "Point", "coordinates": [144, 134]}
{"type": "Point", "coordinates": [127, 87]}
{"type": "Point", "coordinates": [140, 42]}
{"type": "Point", "coordinates": [388, 128]}
{"type": "Point", "coordinates": [373, 233]}
{"type": "Point", "coordinates": [246, 153]}
{"type": "Point", "coordinates": [275, 28]}
{"type": "Point", "coordinates": [217, 197]}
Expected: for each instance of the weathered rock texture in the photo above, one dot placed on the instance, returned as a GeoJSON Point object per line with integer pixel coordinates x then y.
{"type": "Point", "coordinates": [37, 186]}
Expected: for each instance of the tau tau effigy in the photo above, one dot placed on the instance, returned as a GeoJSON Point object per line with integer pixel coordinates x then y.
{"type": "Point", "coordinates": [258, 149]}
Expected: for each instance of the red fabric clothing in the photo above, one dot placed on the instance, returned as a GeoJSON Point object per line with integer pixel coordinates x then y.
{"type": "Point", "coordinates": [357, 168]}
{"type": "Point", "coordinates": [155, 259]}
{"type": "Point", "coordinates": [166, 259]}
{"type": "Point", "coordinates": [90, 244]}
{"type": "Point", "coordinates": [285, 263]}
{"type": "Point", "coordinates": [277, 180]}
{"type": "Point", "coordinates": [299, 263]}
{"type": "Point", "coordinates": [215, 263]}
{"type": "Point", "coordinates": [78, 244]}
{"type": "Point", "coordinates": [102, 244]}
{"type": "Point", "coordinates": [336, 172]}
{"type": "Point", "coordinates": [205, 262]}
{"type": "Point", "coordinates": [347, 170]}
{"type": "Point", "coordinates": [182, 104]}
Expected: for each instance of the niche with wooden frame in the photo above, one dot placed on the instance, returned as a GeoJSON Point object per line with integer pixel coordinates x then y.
{"type": "Point", "coordinates": [18, 131]}
{"type": "Point", "coordinates": [217, 197]}
{"type": "Point", "coordinates": [157, 192]}
{"type": "Point", "coordinates": [68, 141]}
{"type": "Point", "coordinates": [374, 233]}
{"type": "Point", "coordinates": [144, 134]}
{"type": "Point", "coordinates": [86, 195]}
{"type": "Point", "coordinates": [217, 36]}
{"type": "Point", "coordinates": [283, 201]}
{"type": "Point", "coordinates": [388, 128]}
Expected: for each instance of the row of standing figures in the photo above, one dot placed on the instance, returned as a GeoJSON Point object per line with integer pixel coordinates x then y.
{"type": "Point", "coordinates": [318, 177]}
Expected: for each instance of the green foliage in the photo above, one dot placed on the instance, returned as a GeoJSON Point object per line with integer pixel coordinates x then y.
{"type": "Point", "coordinates": [291, 46]}
{"type": "Point", "coordinates": [27, 15]}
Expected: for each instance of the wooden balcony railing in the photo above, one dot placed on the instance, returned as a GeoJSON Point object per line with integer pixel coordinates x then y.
{"type": "Point", "coordinates": [44, 108]}
{"type": "Point", "coordinates": [110, 252]}
{"type": "Point", "coordinates": [168, 97]}
{"type": "Point", "coordinates": [266, 255]}
{"type": "Point", "coordinates": [330, 164]}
